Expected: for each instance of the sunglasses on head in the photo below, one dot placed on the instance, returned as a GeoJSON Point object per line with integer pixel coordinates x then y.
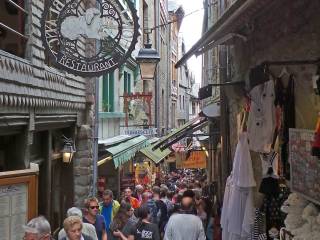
{"type": "Point", "coordinates": [94, 207]}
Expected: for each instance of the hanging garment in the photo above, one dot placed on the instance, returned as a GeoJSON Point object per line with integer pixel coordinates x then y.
{"type": "Point", "coordinates": [258, 75]}
{"type": "Point", "coordinates": [268, 161]}
{"type": "Point", "coordinates": [261, 120]}
{"type": "Point", "coordinates": [238, 211]}
{"type": "Point", "coordinates": [258, 226]}
{"type": "Point", "coordinates": [270, 182]}
{"type": "Point", "coordinates": [237, 215]}
{"type": "Point", "coordinates": [270, 186]}
{"type": "Point", "coordinates": [285, 99]}
{"type": "Point", "coordinates": [271, 207]}
{"type": "Point", "coordinates": [225, 208]}
{"type": "Point", "coordinates": [272, 202]}
{"type": "Point", "coordinates": [242, 164]}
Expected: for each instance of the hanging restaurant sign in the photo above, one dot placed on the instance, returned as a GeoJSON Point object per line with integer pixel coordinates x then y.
{"type": "Point", "coordinates": [110, 28]}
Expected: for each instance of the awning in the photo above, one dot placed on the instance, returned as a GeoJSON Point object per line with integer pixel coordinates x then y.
{"type": "Point", "coordinates": [114, 140]}
{"type": "Point", "coordinates": [123, 152]}
{"type": "Point", "coordinates": [212, 110]}
{"type": "Point", "coordinates": [238, 14]}
{"type": "Point", "coordinates": [177, 131]}
{"type": "Point", "coordinates": [201, 136]}
{"type": "Point", "coordinates": [153, 140]}
{"type": "Point", "coordinates": [155, 155]}
{"type": "Point", "coordinates": [187, 129]}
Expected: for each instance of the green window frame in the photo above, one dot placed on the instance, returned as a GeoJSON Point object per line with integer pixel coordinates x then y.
{"type": "Point", "coordinates": [127, 82]}
{"type": "Point", "coordinates": [108, 92]}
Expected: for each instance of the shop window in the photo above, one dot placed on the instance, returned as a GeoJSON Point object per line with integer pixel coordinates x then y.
{"type": "Point", "coordinates": [108, 92]}
{"type": "Point", "coordinates": [127, 82]}
{"type": "Point", "coordinates": [11, 152]}
{"type": "Point", "coordinates": [193, 108]}
{"type": "Point", "coordinates": [145, 86]}
{"type": "Point", "coordinates": [163, 107]}
{"type": "Point", "coordinates": [173, 115]}
{"type": "Point", "coordinates": [145, 21]}
{"type": "Point", "coordinates": [174, 83]}
{"type": "Point", "coordinates": [12, 27]}
{"type": "Point", "coordinates": [183, 102]}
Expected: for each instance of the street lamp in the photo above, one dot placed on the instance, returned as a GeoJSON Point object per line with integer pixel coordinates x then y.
{"type": "Point", "coordinates": [147, 59]}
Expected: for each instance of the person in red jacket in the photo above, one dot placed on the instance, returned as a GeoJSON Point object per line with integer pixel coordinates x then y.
{"type": "Point", "coordinates": [132, 200]}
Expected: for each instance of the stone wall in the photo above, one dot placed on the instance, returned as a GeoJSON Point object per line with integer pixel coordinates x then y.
{"type": "Point", "coordinates": [83, 165]}
{"type": "Point", "coordinates": [86, 138]}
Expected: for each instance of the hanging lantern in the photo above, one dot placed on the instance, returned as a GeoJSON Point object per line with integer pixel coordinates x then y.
{"type": "Point", "coordinates": [148, 59]}
{"type": "Point", "coordinates": [68, 151]}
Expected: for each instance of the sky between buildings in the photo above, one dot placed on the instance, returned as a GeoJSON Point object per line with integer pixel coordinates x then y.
{"type": "Point", "coordinates": [191, 30]}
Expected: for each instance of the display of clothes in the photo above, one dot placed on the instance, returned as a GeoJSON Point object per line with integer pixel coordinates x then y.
{"type": "Point", "coordinates": [238, 211]}
{"type": "Point", "coordinates": [271, 112]}
{"type": "Point", "coordinates": [261, 121]}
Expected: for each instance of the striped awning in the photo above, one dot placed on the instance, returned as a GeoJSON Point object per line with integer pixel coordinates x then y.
{"type": "Point", "coordinates": [123, 152]}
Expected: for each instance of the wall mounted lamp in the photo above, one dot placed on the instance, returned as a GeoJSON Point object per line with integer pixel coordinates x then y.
{"type": "Point", "coordinates": [68, 149]}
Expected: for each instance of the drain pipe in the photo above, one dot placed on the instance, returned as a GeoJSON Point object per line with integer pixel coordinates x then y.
{"type": "Point", "coordinates": [95, 138]}
{"type": "Point", "coordinates": [156, 77]}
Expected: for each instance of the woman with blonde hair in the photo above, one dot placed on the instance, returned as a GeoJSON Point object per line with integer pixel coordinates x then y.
{"type": "Point", "coordinates": [73, 228]}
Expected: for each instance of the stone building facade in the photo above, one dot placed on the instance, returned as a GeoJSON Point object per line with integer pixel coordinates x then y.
{"type": "Point", "coordinates": [39, 105]}
{"type": "Point", "coordinates": [185, 79]}
{"type": "Point", "coordinates": [178, 80]}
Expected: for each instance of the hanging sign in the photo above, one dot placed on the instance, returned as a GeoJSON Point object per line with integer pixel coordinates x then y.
{"type": "Point", "coordinates": [197, 159]}
{"type": "Point", "coordinates": [141, 131]}
{"type": "Point", "coordinates": [89, 41]}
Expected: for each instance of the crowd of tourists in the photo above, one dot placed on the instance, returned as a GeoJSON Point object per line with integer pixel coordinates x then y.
{"type": "Point", "coordinates": [175, 208]}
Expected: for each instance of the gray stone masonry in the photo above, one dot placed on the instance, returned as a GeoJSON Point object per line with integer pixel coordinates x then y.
{"type": "Point", "coordinates": [83, 171]}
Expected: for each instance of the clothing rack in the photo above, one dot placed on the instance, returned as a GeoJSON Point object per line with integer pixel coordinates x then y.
{"type": "Point", "coordinates": [293, 62]}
